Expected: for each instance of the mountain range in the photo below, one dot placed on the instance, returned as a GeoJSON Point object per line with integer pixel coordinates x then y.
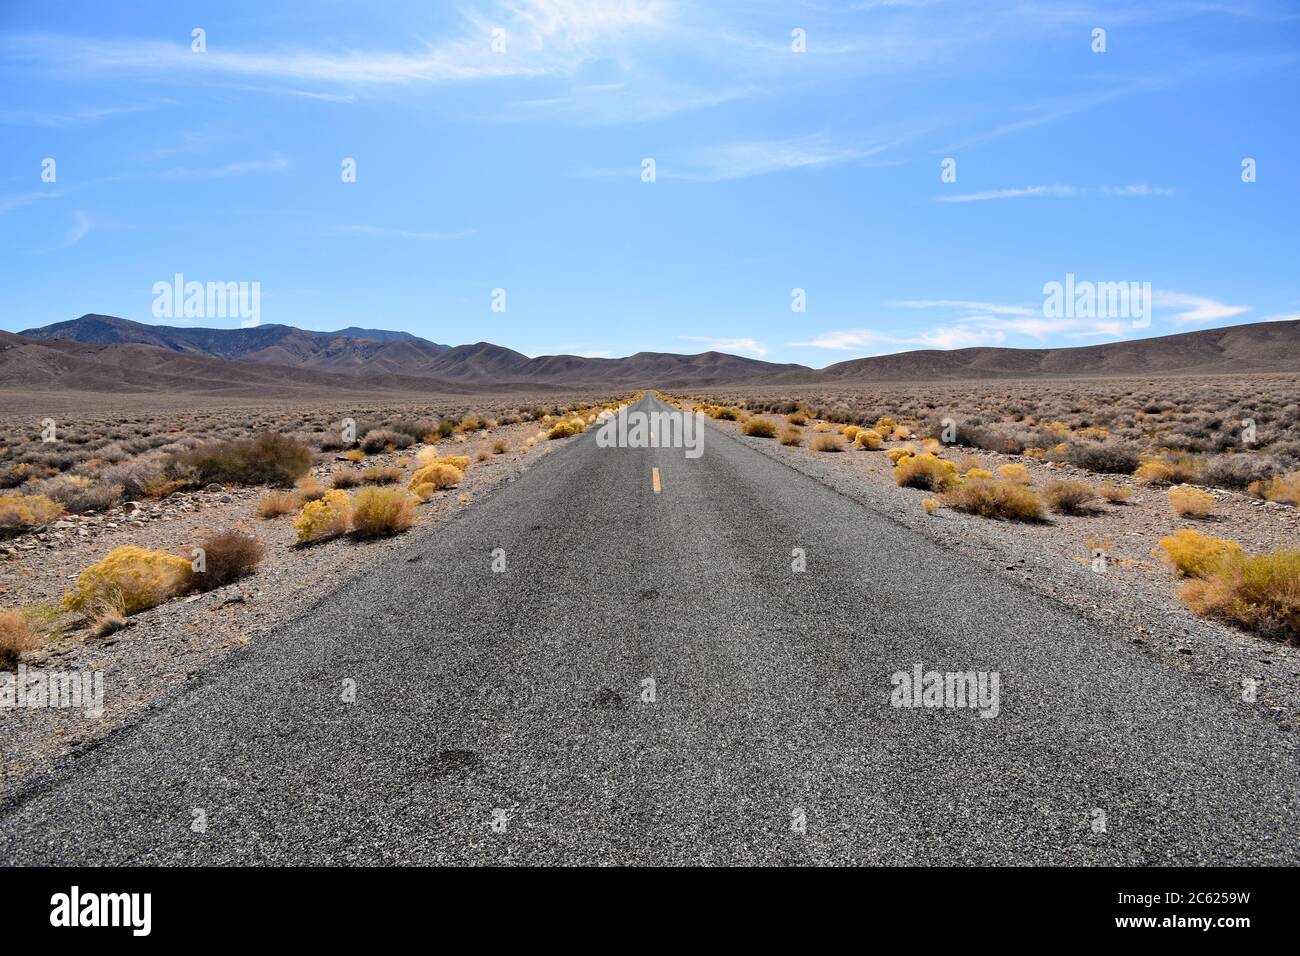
{"type": "Point", "coordinates": [101, 353]}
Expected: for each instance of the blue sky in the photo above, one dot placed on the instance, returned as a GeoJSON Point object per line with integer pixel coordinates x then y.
{"type": "Point", "coordinates": [521, 169]}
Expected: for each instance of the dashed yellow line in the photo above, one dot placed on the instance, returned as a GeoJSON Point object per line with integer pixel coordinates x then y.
{"type": "Point", "coordinates": [654, 476]}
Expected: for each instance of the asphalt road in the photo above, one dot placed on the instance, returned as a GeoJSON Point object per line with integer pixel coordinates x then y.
{"type": "Point", "coordinates": [516, 697]}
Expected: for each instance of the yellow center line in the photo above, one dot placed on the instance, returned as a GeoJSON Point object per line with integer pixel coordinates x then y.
{"type": "Point", "coordinates": [655, 478]}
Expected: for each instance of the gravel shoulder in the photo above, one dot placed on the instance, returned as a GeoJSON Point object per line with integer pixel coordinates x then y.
{"type": "Point", "coordinates": [167, 649]}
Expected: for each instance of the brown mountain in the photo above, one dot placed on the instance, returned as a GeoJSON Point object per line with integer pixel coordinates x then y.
{"type": "Point", "coordinates": [102, 353]}
{"type": "Point", "coordinates": [1258, 347]}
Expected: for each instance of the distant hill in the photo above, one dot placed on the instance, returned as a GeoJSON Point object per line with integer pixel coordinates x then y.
{"type": "Point", "coordinates": [1258, 347]}
{"type": "Point", "coordinates": [106, 353]}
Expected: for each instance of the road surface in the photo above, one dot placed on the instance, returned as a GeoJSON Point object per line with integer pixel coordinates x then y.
{"type": "Point", "coordinates": [504, 716]}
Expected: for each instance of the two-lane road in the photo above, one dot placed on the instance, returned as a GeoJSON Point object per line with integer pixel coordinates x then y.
{"type": "Point", "coordinates": [505, 716]}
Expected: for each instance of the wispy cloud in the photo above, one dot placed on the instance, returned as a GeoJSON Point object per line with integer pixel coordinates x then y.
{"type": "Point", "coordinates": [18, 200]}
{"type": "Point", "coordinates": [387, 232]}
{"type": "Point", "coordinates": [1196, 309]}
{"type": "Point", "coordinates": [737, 346]}
{"type": "Point", "coordinates": [876, 342]}
{"type": "Point", "coordinates": [758, 158]}
{"type": "Point", "coordinates": [1057, 191]}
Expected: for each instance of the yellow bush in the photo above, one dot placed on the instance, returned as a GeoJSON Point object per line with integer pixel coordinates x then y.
{"type": "Point", "coordinates": [1014, 471]}
{"type": "Point", "coordinates": [827, 442]}
{"type": "Point", "coordinates": [791, 436]}
{"type": "Point", "coordinates": [885, 427]}
{"type": "Point", "coordinates": [868, 438]}
{"type": "Point", "coordinates": [1168, 470]}
{"type": "Point", "coordinates": [895, 455]}
{"type": "Point", "coordinates": [327, 517]}
{"type": "Point", "coordinates": [355, 455]}
{"type": "Point", "coordinates": [27, 511]}
{"type": "Point", "coordinates": [925, 471]}
{"type": "Point", "coordinates": [1261, 593]}
{"type": "Point", "coordinates": [1115, 494]}
{"type": "Point", "coordinates": [561, 430]}
{"type": "Point", "coordinates": [994, 498]}
{"type": "Point", "coordinates": [381, 511]}
{"type": "Point", "coordinates": [430, 456]}
{"type": "Point", "coordinates": [850, 432]}
{"type": "Point", "coordinates": [140, 577]}
{"type": "Point", "coordinates": [1192, 554]}
{"type": "Point", "coordinates": [759, 428]}
{"type": "Point", "coordinates": [821, 427]}
{"type": "Point", "coordinates": [979, 473]}
{"type": "Point", "coordinates": [931, 505]}
{"type": "Point", "coordinates": [1191, 502]}
{"type": "Point", "coordinates": [434, 477]}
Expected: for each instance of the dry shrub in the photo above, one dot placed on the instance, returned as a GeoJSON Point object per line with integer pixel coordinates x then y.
{"type": "Point", "coordinates": [979, 473]}
{"type": "Point", "coordinates": [884, 427]}
{"type": "Point", "coordinates": [1115, 494]}
{"type": "Point", "coordinates": [20, 512]}
{"type": "Point", "coordinates": [378, 512]}
{"type": "Point", "coordinates": [1260, 593]}
{"type": "Point", "coordinates": [381, 475]}
{"type": "Point", "coordinates": [355, 455]}
{"type": "Point", "coordinates": [383, 439]}
{"type": "Point", "coordinates": [869, 439]}
{"type": "Point", "coordinates": [142, 578]}
{"type": "Point", "coordinates": [791, 436]}
{"type": "Point", "coordinates": [821, 427]}
{"type": "Point", "coordinates": [850, 432]}
{"type": "Point", "coordinates": [277, 503]}
{"type": "Point", "coordinates": [798, 418]}
{"type": "Point", "coordinates": [931, 505]}
{"type": "Point", "coordinates": [1068, 497]}
{"type": "Point", "coordinates": [1168, 471]}
{"type": "Point", "coordinates": [895, 455]}
{"type": "Point", "coordinates": [1111, 457]}
{"type": "Point", "coordinates": [77, 493]}
{"type": "Point", "coordinates": [1192, 554]}
{"type": "Point", "coordinates": [325, 518]}
{"type": "Point", "coordinates": [1191, 502]}
{"type": "Point", "coordinates": [1284, 488]}
{"type": "Point", "coordinates": [1014, 471]}
{"type": "Point", "coordinates": [759, 428]}
{"type": "Point", "coordinates": [434, 477]}
{"type": "Point", "coordinates": [309, 489]}
{"type": "Point", "coordinates": [228, 556]}
{"type": "Point", "coordinates": [924, 471]}
{"type": "Point", "coordinates": [994, 498]}
{"type": "Point", "coordinates": [269, 458]}
{"type": "Point", "coordinates": [16, 636]}
{"type": "Point", "coordinates": [500, 446]}
{"type": "Point", "coordinates": [827, 441]}
{"type": "Point", "coordinates": [345, 478]}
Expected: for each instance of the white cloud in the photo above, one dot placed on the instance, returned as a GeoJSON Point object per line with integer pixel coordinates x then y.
{"type": "Point", "coordinates": [1196, 309]}
{"type": "Point", "coordinates": [735, 346]}
{"type": "Point", "coordinates": [942, 337]}
{"type": "Point", "coordinates": [967, 305]}
{"type": "Point", "coordinates": [1137, 189]}
{"type": "Point", "coordinates": [757, 158]}
{"type": "Point", "coordinates": [1018, 192]}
